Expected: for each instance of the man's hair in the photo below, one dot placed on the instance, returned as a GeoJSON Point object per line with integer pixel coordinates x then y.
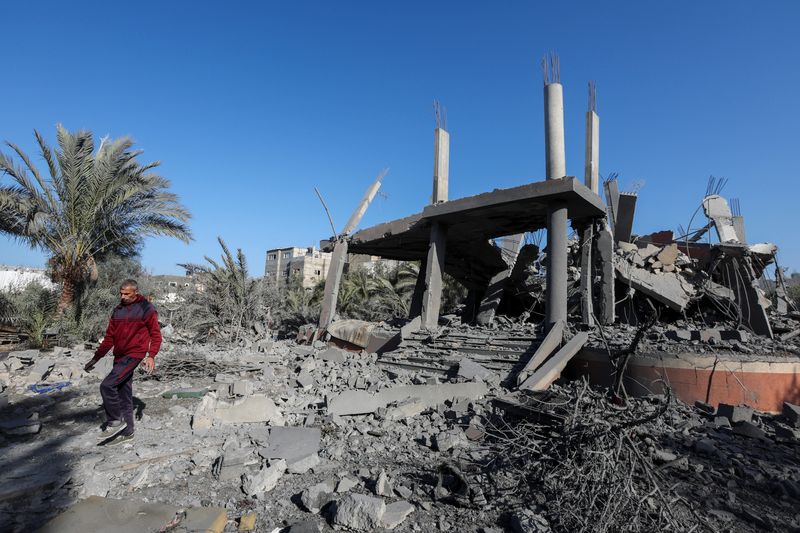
{"type": "Point", "coordinates": [129, 283]}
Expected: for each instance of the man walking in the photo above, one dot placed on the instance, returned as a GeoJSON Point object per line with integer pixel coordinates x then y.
{"type": "Point", "coordinates": [134, 333]}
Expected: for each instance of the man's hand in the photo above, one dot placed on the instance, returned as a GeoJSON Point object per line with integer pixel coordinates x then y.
{"type": "Point", "coordinates": [90, 365]}
{"type": "Point", "coordinates": [149, 364]}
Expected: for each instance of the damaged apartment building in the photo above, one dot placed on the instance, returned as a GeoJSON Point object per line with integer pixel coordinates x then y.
{"type": "Point", "coordinates": [605, 302]}
{"type": "Point", "coordinates": [310, 265]}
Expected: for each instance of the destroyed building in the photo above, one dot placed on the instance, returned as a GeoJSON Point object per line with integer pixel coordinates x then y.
{"type": "Point", "coordinates": [444, 423]}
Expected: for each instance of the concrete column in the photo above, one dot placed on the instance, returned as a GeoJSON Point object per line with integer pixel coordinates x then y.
{"type": "Point", "coordinates": [494, 293]}
{"type": "Point", "coordinates": [554, 131]}
{"type": "Point", "coordinates": [441, 165]}
{"type": "Point", "coordinates": [432, 299]}
{"type": "Point", "coordinates": [556, 167]}
{"type": "Point", "coordinates": [415, 309]}
{"type": "Point", "coordinates": [556, 303]}
{"type": "Point", "coordinates": [332, 281]}
{"type": "Point", "coordinates": [592, 165]}
{"type": "Point", "coordinates": [605, 256]}
{"type": "Point", "coordinates": [587, 275]}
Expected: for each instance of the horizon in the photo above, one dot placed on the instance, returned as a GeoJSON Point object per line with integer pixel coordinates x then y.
{"type": "Point", "coordinates": [251, 108]}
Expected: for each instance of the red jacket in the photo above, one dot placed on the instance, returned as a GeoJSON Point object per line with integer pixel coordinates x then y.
{"type": "Point", "coordinates": [133, 331]}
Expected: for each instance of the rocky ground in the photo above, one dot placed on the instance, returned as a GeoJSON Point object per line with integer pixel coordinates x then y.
{"type": "Point", "coordinates": [317, 439]}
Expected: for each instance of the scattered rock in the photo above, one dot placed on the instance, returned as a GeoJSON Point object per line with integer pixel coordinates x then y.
{"type": "Point", "coordinates": [359, 512]}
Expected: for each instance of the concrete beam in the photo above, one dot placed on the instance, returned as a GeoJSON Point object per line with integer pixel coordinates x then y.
{"type": "Point", "coordinates": [551, 370]}
{"type": "Point", "coordinates": [432, 299]}
{"type": "Point", "coordinates": [441, 165]}
{"type": "Point", "coordinates": [624, 224]}
{"type": "Point", "coordinates": [551, 342]}
{"type": "Point", "coordinates": [717, 210]}
{"type": "Point", "coordinates": [611, 188]}
{"type": "Point", "coordinates": [510, 248]}
{"type": "Point", "coordinates": [605, 259]}
{"type": "Point", "coordinates": [332, 282]}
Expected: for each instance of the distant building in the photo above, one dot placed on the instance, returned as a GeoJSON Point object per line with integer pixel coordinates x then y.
{"type": "Point", "coordinates": [370, 263]}
{"type": "Point", "coordinates": [169, 287]}
{"type": "Point", "coordinates": [14, 278]}
{"type": "Point", "coordinates": [309, 265]}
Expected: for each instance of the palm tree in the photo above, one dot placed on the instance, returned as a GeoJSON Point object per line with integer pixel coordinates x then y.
{"type": "Point", "coordinates": [92, 204]}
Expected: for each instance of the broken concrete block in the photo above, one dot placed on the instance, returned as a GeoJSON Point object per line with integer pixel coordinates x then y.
{"type": "Point", "coordinates": [395, 514]}
{"type": "Point", "coordinates": [792, 414]}
{"type": "Point", "coordinates": [359, 512]}
{"type": "Point", "coordinates": [40, 370]}
{"type": "Point", "coordinates": [345, 484]}
{"type": "Point", "coordinates": [749, 429]}
{"type": "Point", "coordinates": [255, 408]}
{"type": "Point", "coordinates": [668, 255]}
{"type": "Point", "coordinates": [551, 370]}
{"type": "Point", "coordinates": [705, 447]}
{"type": "Point", "coordinates": [332, 355]}
{"type": "Point", "coordinates": [240, 388]}
{"type": "Point", "coordinates": [470, 370]}
{"type": "Point", "coordinates": [710, 336]}
{"type": "Point", "coordinates": [305, 380]}
{"type": "Point", "coordinates": [451, 439]}
{"type": "Point", "coordinates": [666, 288]}
{"type": "Point", "coordinates": [362, 402]}
{"type": "Point", "coordinates": [318, 496]}
{"type": "Point", "coordinates": [682, 335]}
{"type": "Point", "coordinates": [382, 485]}
{"type": "Point", "coordinates": [735, 413]}
{"type": "Point", "coordinates": [298, 446]}
{"type": "Point", "coordinates": [406, 409]}
{"type": "Point", "coordinates": [264, 480]}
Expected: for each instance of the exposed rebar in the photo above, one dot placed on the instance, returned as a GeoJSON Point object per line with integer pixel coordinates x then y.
{"type": "Point", "coordinates": [592, 97]}
{"type": "Point", "coordinates": [551, 68]}
{"type": "Point", "coordinates": [440, 114]}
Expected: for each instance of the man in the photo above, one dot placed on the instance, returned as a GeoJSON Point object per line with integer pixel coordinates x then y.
{"type": "Point", "coordinates": [134, 333]}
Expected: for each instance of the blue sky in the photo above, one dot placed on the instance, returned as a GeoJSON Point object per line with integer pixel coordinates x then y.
{"type": "Point", "coordinates": [249, 105]}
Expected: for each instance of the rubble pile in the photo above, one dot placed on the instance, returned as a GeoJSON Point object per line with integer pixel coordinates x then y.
{"type": "Point", "coordinates": [309, 438]}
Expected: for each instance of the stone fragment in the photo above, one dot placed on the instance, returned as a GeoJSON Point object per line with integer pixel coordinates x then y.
{"type": "Point", "coordinates": [682, 335]}
{"type": "Point", "coordinates": [305, 380]}
{"type": "Point", "coordinates": [382, 485]}
{"type": "Point", "coordinates": [298, 446]}
{"type": "Point", "coordinates": [406, 409]}
{"type": "Point", "coordinates": [451, 439]}
{"type": "Point", "coordinates": [720, 422]}
{"type": "Point", "coordinates": [663, 456]}
{"type": "Point", "coordinates": [395, 514]}
{"type": "Point", "coordinates": [255, 408]}
{"type": "Point", "coordinates": [264, 480]}
{"type": "Point", "coordinates": [749, 429]}
{"type": "Point", "coordinates": [710, 336]}
{"type": "Point", "coordinates": [359, 512]}
{"type": "Point", "coordinates": [705, 447]}
{"type": "Point", "coordinates": [791, 413]}
{"type": "Point", "coordinates": [332, 355]}
{"type": "Point", "coordinates": [306, 526]}
{"type": "Point", "coordinates": [345, 484]}
{"type": "Point", "coordinates": [248, 522]}
{"type": "Point", "coordinates": [668, 254]}
{"type": "Point", "coordinates": [704, 407]}
{"type": "Point", "coordinates": [317, 496]}
{"type": "Point", "coordinates": [735, 413]}
{"type": "Point", "coordinates": [470, 370]}
{"type": "Point", "coordinates": [240, 388]}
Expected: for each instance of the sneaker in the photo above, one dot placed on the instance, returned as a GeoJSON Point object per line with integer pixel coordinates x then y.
{"type": "Point", "coordinates": [111, 428]}
{"type": "Point", "coordinates": [119, 439]}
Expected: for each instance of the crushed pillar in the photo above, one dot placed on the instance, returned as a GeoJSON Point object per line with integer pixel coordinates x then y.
{"type": "Point", "coordinates": [587, 275]}
{"type": "Point", "coordinates": [717, 210]}
{"type": "Point", "coordinates": [611, 188]}
{"type": "Point", "coordinates": [432, 299]}
{"type": "Point", "coordinates": [510, 248]}
{"type": "Point", "coordinates": [415, 308]}
{"type": "Point", "coordinates": [605, 259]}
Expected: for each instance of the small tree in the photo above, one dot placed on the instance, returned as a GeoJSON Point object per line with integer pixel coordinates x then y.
{"type": "Point", "coordinates": [93, 203]}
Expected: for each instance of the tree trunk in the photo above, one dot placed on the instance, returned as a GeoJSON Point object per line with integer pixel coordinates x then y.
{"type": "Point", "coordinates": [67, 296]}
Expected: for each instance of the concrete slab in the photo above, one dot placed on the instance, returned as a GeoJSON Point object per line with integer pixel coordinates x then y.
{"type": "Point", "coordinates": [293, 444]}
{"type": "Point", "coordinates": [106, 515]}
{"type": "Point", "coordinates": [355, 402]}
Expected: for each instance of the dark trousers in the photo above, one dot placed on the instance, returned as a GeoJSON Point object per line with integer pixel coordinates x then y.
{"type": "Point", "coordinates": [117, 391]}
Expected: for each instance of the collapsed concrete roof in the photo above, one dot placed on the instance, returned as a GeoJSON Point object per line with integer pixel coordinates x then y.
{"type": "Point", "coordinates": [472, 221]}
